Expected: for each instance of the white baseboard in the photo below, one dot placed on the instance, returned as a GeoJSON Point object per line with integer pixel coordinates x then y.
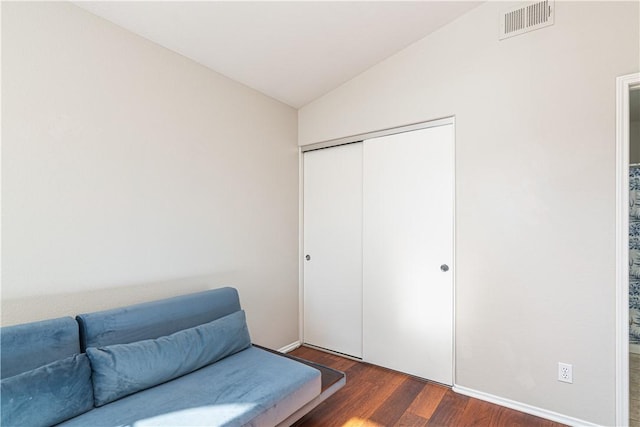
{"type": "Point", "coordinates": [290, 347]}
{"type": "Point", "coordinates": [522, 407]}
{"type": "Point", "coordinates": [634, 348]}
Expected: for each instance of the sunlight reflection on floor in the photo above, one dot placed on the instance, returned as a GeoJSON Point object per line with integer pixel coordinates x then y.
{"type": "Point", "coordinates": [360, 422]}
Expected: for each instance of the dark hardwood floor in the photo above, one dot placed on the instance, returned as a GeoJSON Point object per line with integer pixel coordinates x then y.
{"type": "Point", "coordinates": [375, 396]}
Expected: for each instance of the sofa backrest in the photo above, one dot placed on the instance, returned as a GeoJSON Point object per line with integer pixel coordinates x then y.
{"type": "Point", "coordinates": [154, 319]}
{"type": "Point", "coordinates": [31, 345]}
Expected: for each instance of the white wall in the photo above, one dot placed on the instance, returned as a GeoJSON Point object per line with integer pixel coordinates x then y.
{"type": "Point", "coordinates": [535, 159]}
{"type": "Point", "coordinates": [131, 173]}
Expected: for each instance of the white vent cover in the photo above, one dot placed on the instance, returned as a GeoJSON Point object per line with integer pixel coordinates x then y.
{"type": "Point", "coordinates": [526, 18]}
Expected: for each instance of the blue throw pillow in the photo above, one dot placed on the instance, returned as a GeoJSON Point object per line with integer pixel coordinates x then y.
{"type": "Point", "coordinates": [49, 394]}
{"type": "Point", "coordinates": [123, 369]}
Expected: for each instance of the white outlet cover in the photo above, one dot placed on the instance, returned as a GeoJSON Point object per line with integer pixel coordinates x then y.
{"type": "Point", "coordinates": [565, 372]}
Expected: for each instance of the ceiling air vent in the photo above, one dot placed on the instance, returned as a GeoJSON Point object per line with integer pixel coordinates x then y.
{"type": "Point", "coordinates": [526, 18]}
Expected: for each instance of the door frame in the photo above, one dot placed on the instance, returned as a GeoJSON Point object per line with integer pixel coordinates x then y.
{"type": "Point", "coordinates": [380, 132]}
{"type": "Point", "coordinates": [442, 121]}
{"type": "Point", "coordinates": [623, 85]}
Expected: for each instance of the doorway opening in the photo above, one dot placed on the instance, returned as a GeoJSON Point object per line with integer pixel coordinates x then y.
{"type": "Point", "coordinates": [634, 256]}
{"type": "Point", "coordinates": [628, 245]}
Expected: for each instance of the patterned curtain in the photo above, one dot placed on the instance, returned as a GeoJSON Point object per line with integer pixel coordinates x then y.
{"type": "Point", "coordinates": [634, 254]}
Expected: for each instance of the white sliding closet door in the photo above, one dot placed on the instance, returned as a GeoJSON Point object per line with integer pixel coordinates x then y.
{"type": "Point", "coordinates": [407, 237]}
{"type": "Point", "coordinates": [333, 248]}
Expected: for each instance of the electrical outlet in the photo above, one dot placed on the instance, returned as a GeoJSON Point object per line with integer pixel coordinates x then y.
{"type": "Point", "coordinates": [565, 373]}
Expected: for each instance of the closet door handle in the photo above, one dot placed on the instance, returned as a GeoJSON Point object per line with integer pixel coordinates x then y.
{"type": "Point", "coordinates": [444, 268]}
{"type": "Point", "coordinates": [308, 257]}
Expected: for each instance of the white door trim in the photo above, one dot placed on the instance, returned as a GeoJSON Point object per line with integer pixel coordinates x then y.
{"type": "Point", "coordinates": [300, 246]}
{"type": "Point", "coordinates": [623, 86]}
{"type": "Point", "coordinates": [377, 133]}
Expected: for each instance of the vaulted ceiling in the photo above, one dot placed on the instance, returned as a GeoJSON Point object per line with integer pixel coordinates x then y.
{"type": "Point", "coordinates": [292, 51]}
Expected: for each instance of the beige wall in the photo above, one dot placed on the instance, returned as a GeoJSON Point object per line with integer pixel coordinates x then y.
{"type": "Point", "coordinates": [535, 190]}
{"type": "Point", "coordinates": [634, 142]}
{"type": "Point", "coordinates": [634, 126]}
{"type": "Point", "coordinates": [131, 173]}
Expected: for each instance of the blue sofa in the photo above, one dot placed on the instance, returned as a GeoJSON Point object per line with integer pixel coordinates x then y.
{"type": "Point", "coordinates": [186, 360]}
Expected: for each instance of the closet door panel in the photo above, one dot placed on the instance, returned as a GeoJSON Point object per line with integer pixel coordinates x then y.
{"type": "Point", "coordinates": [407, 236]}
{"type": "Point", "coordinates": [333, 243]}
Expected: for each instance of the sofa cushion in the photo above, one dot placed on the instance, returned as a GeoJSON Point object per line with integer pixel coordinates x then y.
{"type": "Point", "coordinates": [31, 345]}
{"type": "Point", "coordinates": [49, 394]}
{"type": "Point", "coordinates": [123, 369]}
{"type": "Point", "coordinates": [156, 318]}
{"type": "Point", "coordinates": [252, 387]}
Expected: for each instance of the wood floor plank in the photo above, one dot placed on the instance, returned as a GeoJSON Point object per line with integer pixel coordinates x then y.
{"type": "Point", "coordinates": [427, 400]}
{"type": "Point", "coordinates": [380, 384]}
{"type": "Point", "coordinates": [509, 417]}
{"type": "Point", "coordinates": [392, 409]}
{"type": "Point", "coordinates": [342, 406]}
{"type": "Point", "coordinates": [410, 419]}
{"type": "Point", "coordinates": [449, 411]}
{"type": "Point", "coordinates": [480, 413]}
{"type": "Point", "coordinates": [328, 359]}
{"type": "Point", "coordinates": [367, 388]}
{"type": "Point", "coordinates": [379, 397]}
